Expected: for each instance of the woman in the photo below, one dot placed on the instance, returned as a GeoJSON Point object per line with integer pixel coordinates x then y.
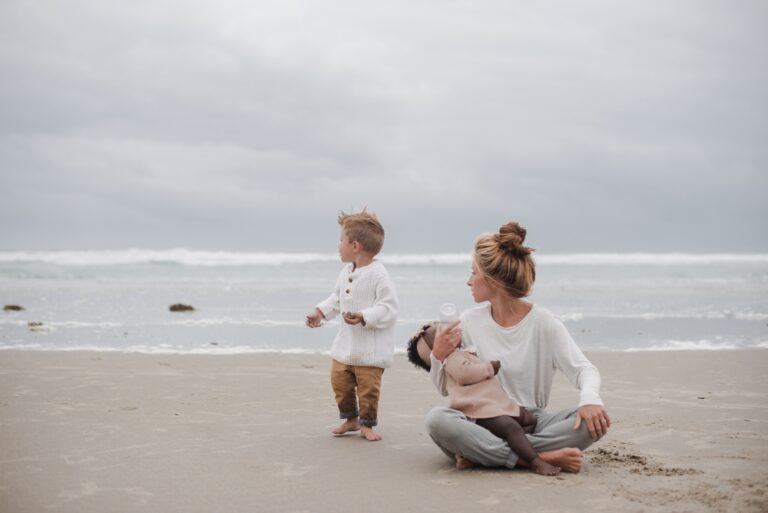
{"type": "Point", "coordinates": [531, 344]}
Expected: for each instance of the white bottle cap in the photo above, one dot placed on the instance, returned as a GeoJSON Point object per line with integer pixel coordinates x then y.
{"type": "Point", "coordinates": [448, 313]}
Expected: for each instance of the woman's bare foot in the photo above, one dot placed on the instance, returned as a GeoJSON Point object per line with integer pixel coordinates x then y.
{"type": "Point", "coordinates": [463, 463]}
{"type": "Point", "coordinates": [568, 459]}
{"type": "Point", "coordinates": [346, 426]}
{"type": "Point", "coordinates": [370, 434]}
{"type": "Point", "coordinates": [545, 469]}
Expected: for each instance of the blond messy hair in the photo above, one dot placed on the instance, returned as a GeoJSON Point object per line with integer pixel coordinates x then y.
{"type": "Point", "coordinates": [505, 262]}
{"type": "Point", "coordinates": [363, 227]}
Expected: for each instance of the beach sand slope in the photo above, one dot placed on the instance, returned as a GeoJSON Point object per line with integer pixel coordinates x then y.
{"type": "Point", "coordinates": [110, 432]}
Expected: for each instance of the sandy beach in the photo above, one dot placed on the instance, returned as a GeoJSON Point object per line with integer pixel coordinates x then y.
{"type": "Point", "coordinates": [113, 432]}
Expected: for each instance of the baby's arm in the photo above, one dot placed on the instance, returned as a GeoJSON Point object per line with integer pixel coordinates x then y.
{"type": "Point", "coordinates": [467, 370]}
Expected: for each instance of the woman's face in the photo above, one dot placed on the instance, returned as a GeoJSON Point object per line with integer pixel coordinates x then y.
{"type": "Point", "coordinates": [481, 291]}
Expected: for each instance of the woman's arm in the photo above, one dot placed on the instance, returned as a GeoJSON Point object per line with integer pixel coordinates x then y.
{"type": "Point", "coordinates": [569, 359]}
{"type": "Point", "coordinates": [446, 341]}
{"type": "Point", "coordinates": [583, 375]}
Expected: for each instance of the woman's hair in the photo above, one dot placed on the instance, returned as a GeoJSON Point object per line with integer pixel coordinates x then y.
{"type": "Point", "coordinates": [504, 261]}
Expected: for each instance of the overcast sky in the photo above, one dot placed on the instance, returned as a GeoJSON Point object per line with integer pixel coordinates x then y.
{"type": "Point", "coordinates": [599, 125]}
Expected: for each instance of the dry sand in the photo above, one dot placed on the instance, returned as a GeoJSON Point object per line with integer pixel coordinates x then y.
{"type": "Point", "coordinates": [108, 432]}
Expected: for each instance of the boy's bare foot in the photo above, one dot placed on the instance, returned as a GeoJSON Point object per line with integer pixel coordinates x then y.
{"type": "Point", "coordinates": [463, 463]}
{"type": "Point", "coordinates": [370, 434]}
{"type": "Point", "coordinates": [346, 426]}
{"type": "Point", "coordinates": [568, 459]}
{"type": "Point", "coordinates": [545, 469]}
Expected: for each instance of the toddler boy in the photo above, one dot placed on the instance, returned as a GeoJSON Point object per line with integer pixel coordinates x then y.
{"type": "Point", "coordinates": [364, 346]}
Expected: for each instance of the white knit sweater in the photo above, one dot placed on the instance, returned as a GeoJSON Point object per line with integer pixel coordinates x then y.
{"type": "Point", "coordinates": [370, 291]}
{"type": "Point", "coordinates": [530, 352]}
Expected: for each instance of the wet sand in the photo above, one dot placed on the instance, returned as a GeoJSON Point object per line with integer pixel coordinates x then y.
{"type": "Point", "coordinates": [111, 432]}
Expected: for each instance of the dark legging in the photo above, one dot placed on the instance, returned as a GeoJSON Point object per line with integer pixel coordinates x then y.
{"type": "Point", "coordinates": [509, 429]}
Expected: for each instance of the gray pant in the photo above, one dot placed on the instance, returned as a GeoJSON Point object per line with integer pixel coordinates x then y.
{"type": "Point", "coordinates": [453, 433]}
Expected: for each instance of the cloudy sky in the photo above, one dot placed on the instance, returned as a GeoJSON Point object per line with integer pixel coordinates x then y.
{"type": "Point", "coordinates": [600, 125]}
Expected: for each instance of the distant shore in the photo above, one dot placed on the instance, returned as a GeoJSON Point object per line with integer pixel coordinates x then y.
{"type": "Point", "coordinates": [85, 431]}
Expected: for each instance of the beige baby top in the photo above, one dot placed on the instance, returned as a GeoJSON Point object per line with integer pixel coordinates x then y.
{"type": "Point", "coordinates": [473, 388]}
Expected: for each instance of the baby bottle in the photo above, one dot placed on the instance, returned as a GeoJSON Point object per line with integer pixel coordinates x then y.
{"type": "Point", "coordinates": [448, 314]}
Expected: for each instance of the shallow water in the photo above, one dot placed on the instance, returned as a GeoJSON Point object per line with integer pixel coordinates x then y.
{"type": "Point", "coordinates": [249, 302]}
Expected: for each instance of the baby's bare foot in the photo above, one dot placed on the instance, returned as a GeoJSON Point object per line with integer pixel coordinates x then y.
{"type": "Point", "coordinates": [568, 459]}
{"type": "Point", "coordinates": [545, 469]}
{"type": "Point", "coordinates": [370, 434]}
{"type": "Point", "coordinates": [346, 426]}
{"type": "Point", "coordinates": [463, 463]}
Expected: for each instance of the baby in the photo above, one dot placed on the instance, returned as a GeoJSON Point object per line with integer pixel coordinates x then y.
{"type": "Point", "coordinates": [475, 391]}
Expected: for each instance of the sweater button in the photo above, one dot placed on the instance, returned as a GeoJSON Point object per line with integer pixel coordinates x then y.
{"type": "Point", "coordinates": [347, 291]}
{"type": "Point", "coordinates": [350, 280]}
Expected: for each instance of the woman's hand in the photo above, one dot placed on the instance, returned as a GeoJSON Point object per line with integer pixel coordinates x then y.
{"type": "Point", "coordinates": [596, 417]}
{"type": "Point", "coordinates": [446, 340]}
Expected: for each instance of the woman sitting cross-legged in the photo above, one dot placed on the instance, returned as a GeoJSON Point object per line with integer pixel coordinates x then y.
{"type": "Point", "coordinates": [530, 344]}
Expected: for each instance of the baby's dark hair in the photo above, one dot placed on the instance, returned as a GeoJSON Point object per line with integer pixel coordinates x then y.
{"type": "Point", "coordinates": [413, 348]}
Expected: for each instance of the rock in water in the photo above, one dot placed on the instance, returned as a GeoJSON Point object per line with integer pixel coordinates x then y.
{"type": "Point", "coordinates": [37, 326]}
{"type": "Point", "coordinates": [12, 308]}
{"type": "Point", "coordinates": [179, 307]}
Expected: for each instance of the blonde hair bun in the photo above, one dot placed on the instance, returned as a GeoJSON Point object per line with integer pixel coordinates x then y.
{"type": "Point", "coordinates": [510, 239]}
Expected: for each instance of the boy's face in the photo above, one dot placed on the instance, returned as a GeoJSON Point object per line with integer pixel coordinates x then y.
{"type": "Point", "coordinates": [347, 249]}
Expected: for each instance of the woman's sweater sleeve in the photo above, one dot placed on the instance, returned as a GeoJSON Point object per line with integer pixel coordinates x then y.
{"type": "Point", "coordinates": [569, 359]}
{"type": "Point", "coordinates": [437, 375]}
{"type": "Point", "coordinates": [436, 368]}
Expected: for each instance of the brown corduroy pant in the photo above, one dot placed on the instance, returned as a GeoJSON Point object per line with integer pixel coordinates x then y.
{"type": "Point", "coordinates": [356, 383]}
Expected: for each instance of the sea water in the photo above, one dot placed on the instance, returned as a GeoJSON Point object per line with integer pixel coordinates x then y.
{"type": "Point", "coordinates": [256, 302]}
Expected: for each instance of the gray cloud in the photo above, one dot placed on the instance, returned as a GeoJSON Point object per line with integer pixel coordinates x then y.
{"type": "Point", "coordinates": [601, 125]}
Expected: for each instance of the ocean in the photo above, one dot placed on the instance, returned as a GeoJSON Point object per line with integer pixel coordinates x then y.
{"type": "Point", "coordinates": [256, 302]}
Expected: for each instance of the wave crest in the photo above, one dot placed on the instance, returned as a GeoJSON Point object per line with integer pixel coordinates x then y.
{"type": "Point", "coordinates": [188, 257]}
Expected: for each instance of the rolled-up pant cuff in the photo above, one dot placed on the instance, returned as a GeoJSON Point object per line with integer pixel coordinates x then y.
{"type": "Point", "coordinates": [348, 415]}
{"type": "Point", "coordinates": [367, 422]}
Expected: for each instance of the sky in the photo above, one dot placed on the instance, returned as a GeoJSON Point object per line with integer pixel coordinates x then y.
{"type": "Point", "coordinates": [600, 126]}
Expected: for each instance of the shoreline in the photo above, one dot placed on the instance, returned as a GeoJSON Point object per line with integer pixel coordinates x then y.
{"type": "Point", "coordinates": [89, 431]}
{"type": "Point", "coordinates": [240, 351]}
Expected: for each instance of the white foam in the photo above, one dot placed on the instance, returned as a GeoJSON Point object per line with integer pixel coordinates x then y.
{"type": "Point", "coordinates": [163, 349]}
{"type": "Point", "coordinates": [571, 317]}
{"type": "Point", "coordinates": [79, 324]}
{"type": "Point", "coordinates": [686, 345]}
{"type": "Point", "coordinates": [229, 321]}
{"type": "Point", "coordinates": [653, 316]}
{"type": "Point", "coordinates": [189, 257]}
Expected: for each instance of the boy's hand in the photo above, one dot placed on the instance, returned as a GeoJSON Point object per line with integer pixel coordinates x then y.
{"type": "Point", "coordinates": [354, 318]}
{"type": "Point", "coordinates": [496, 366]}
{"type": "Point", "coordinates": [315, 319]}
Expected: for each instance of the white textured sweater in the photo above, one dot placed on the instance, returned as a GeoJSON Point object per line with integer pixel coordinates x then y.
{"type": "Point", "coordinates": [530, 352]}
{"type": "Point", "coordinates": [370, 291]}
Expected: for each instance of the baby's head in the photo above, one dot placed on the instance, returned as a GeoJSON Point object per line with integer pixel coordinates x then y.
{"type": "Point", "coordinates": [420, 346]}
{"type": "Point", "coordinates": [360, 232]}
